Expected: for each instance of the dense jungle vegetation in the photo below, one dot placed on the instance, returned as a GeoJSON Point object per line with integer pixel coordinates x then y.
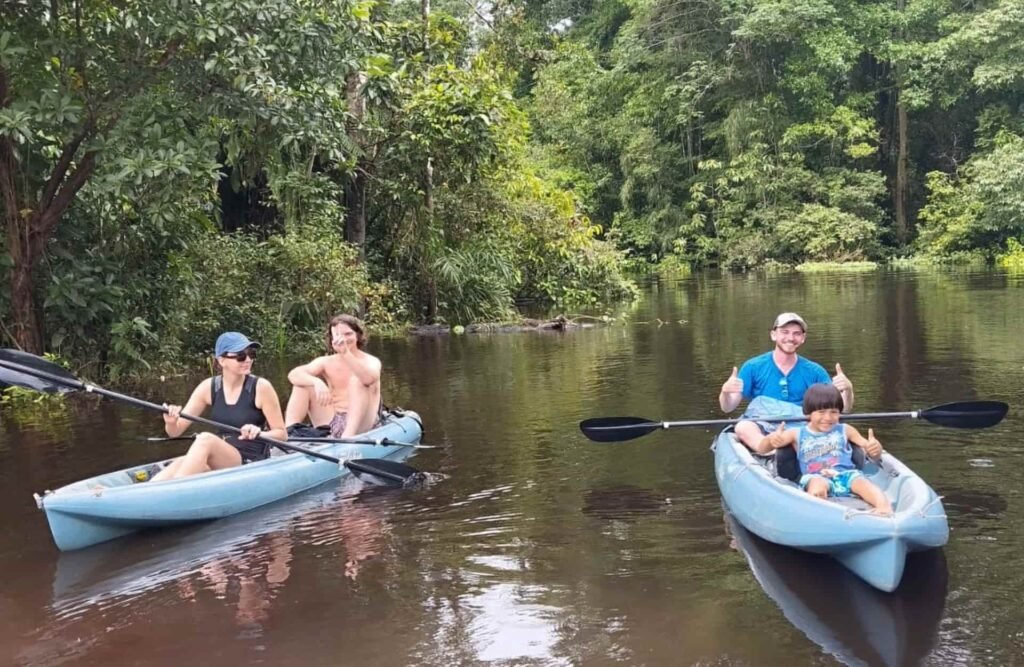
{"type": "Point", "coordinates": [173, 168]}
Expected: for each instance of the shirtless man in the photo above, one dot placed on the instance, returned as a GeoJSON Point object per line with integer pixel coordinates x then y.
{"type": "Point", "coordinates": [341, 390]}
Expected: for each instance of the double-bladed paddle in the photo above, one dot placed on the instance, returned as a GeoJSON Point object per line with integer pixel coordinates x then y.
{"type": "Point", "coordinates": [380, 442]}
{"type": "Point", "coordinates": [33, 372]}
{"type": "Point", "coordinates": [963, 414]}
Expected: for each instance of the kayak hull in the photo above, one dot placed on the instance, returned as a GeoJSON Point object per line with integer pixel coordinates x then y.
{"type": "Point", "coordinates": [874, 547]}
{"type": "Point", "coordinates": [109, 506]}
{"type": "Point", "coordinates": [854, 622]}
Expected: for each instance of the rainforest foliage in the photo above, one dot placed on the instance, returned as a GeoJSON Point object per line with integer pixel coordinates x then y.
{"type": "Point", "coordinates": [173, 168]}
{"type": "Point", "coordinates": [747, 132]}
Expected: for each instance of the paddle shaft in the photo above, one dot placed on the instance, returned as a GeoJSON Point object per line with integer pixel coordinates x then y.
{"type": "Point", "coordinates": [798, 418]}
{"type": "Point", "coordinates": [379, 442]}
{"type": "Point", "coordinates": [382, 442]}
{"type": "Point", "coordinates": [962, 414]}
{"type": "Point", "coordinates": [138, 402]}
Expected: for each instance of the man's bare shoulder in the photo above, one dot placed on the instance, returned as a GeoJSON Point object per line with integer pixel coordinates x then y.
{"type": "Point", "coordinates": [372, 361]}
{"type": "Point", "coordinates": [319, 363]}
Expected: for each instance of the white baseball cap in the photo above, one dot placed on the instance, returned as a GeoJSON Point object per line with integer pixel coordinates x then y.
{"type": "Point", "coordinates": [788, 318]}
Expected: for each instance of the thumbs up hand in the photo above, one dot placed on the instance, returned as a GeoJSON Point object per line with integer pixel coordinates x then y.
{"type": "Point", "coordinates": [873, 447]}
{"type": "Point", "coordinates": [734, 385]}
{"type": "Point", "coordinates": [840, 381]}
{"type": "Point", "coordinates": [775, 437]}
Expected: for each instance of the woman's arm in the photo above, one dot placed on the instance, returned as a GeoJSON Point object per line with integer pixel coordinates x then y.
{"type": "Point", "coordinates": [197, 404]}
{"type": "Point", "coordinates": [270, 404]}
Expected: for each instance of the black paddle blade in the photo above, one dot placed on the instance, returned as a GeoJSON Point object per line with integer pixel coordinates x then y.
{"type": "Point", "coordinates": [382, 472]}
{"type": "Point", "coordinates": [617, 429]}
{"type": "Point", "coordinates": [17, 378]}
{"type": "Point", "coordinates": [967, 414]}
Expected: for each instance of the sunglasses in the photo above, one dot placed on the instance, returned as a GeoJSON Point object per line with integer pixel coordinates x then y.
{"type": "Point", "coordinates": [242, 357]}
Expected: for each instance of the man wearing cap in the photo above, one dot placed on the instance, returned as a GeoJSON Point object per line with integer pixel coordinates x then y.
{"type": "Point", "coordinates": [781, 374]}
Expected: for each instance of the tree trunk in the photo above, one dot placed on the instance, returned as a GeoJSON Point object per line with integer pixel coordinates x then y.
{"type": "Point", "coordinates": [32, 209]}
{"type": "Point", "coordinates": [357, 182]}
{"type": "Point", "coordinates": [32, 222]}
{"type": "Point", "coordinates": [428, 187]}
{"type": "Point", "coordinates": [899, 195]}
{"type": "Point", "coordinates": [428, 171]}
{"type": "Point", "coordinates": [24, 325]}
{"type": "Point", "coordinates": [431, 300]}
{"type": "Point", "coordinates": [355, 210]}
{"type": "Point", "coordinates": [902, 177]}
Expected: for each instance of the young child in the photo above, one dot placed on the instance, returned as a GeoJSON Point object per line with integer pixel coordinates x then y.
{"type": "Point", "coordinates": [823, 450]}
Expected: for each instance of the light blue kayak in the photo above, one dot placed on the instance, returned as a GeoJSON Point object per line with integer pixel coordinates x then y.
{"type": "Point", "coordinates": [874, 547]}
{"type": "Point", "coordinates": [108, 506]}
{"type": "Point", "coordinates": [112, 573]}
{"type": "Point", "coordinates": [855, 623]}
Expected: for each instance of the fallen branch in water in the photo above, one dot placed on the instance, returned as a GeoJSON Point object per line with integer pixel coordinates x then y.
{"type": "Point", "coordinates": [558, 323]}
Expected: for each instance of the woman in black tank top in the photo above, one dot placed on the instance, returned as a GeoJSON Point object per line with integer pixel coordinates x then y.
{"type": "Point", "coordinates": [237, 398]}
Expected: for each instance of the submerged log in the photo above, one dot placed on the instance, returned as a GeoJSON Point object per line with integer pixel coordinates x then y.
{"type": "Point", "coordinates": [558, 323]}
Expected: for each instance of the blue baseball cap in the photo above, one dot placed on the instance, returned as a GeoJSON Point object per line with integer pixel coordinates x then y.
{"type": "Point", "coordinates": [232, 341]}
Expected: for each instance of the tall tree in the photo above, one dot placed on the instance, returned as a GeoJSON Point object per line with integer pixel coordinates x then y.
{"type": "Point", "coordinates": [67, 73]}
{"type": "Point", "coordinates": [357, 180]}
{"type": "Point", "coordinates": [136, 89]}
{"type": "Point", "coordinates": [902, 183]}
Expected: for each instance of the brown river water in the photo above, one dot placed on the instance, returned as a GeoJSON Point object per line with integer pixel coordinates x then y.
{"type": "Point", "coordinates": [540, 547]}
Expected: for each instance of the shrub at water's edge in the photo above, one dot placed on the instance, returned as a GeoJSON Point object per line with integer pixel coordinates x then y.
{"type": "Point", "coordinates": [1013, 258]}
{"type": "Point", "coordinates": [279, 291]}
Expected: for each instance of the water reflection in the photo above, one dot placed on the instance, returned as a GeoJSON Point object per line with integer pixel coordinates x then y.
{"type": "Point", "coordinates": [850, 620]}
{"type": "Point", "coordinates": [247, 543]}
{"type": "Point", "coordinates": [247, 582]}
{"type": "Point", "coordinates": [244, 562]}
{"type": "Point", "coordinates": [359, 525]}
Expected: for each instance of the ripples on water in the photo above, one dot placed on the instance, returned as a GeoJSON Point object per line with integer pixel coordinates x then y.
{"type": "Point", "coordinates": [538, 547]}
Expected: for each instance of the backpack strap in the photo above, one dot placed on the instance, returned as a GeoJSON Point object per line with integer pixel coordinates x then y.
{"type": "Point", "coordinates": [216, 386]}
{"type": "Point", "coordinates": [249, 387]}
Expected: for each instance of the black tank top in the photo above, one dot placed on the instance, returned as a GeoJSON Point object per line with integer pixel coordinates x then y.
{"type": "Point", "coordinates": [242, 412]}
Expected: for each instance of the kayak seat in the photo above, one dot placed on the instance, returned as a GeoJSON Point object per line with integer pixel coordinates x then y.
{"type": "Point", "coordinates": [787, 467]}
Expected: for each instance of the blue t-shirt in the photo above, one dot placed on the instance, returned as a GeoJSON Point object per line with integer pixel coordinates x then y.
{"type": "Point", "coordinates": [818, 451]}
{"type": "Point", "coordinates": [761, 377]}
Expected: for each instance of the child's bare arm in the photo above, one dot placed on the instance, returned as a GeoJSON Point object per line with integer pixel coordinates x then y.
{"type": "Point", "coordinates": [870, 444]}
{"type": "Point", "coordinates": [780, 437]}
